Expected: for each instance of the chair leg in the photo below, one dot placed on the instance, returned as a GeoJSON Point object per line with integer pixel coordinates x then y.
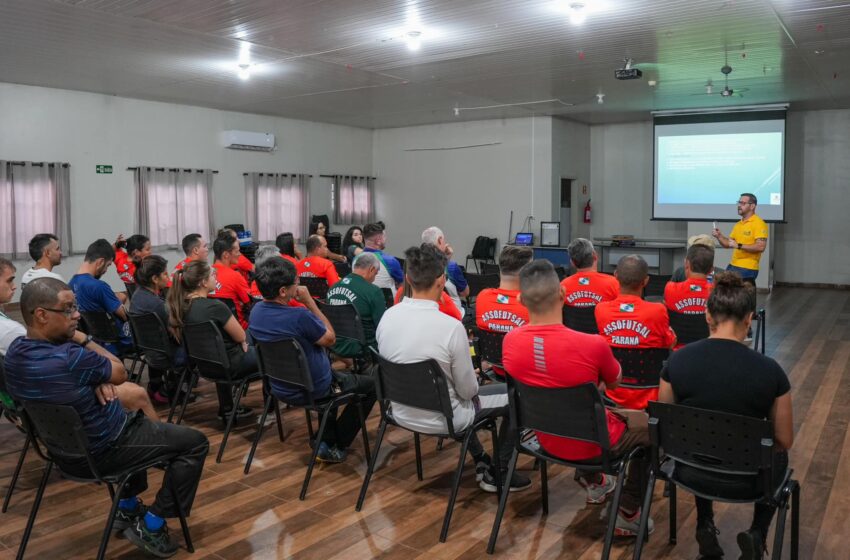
{"type": "Point", "coordinates": [612, 512]}
{"type": "Point", "coordinates": [644, 516]}
{"type": "Point", "coordinates": [455, 486]}
{"type": "Point", "coordinates": [544, 486]}
{"type": "Point", "coordinates": [439, 444]}
{"type": "Point", "coordinates": [187, 538]}
{"type": "Point", "coordinates": [230, 421]}
{"type": "Point", "coordinates": [268, 404]}
{"type": "Point", "coordinates": [779, 533]}
{"type": "Point", "coordinates": [279, 418]}
{"type": "Point", "coordinates": [312, 463]}
{"type": "Point", "coordinates": [193, 379]}
{"type": "Point", "coordinates": [174, 399]}
{"type": "Point", "coordinates": [370, 467]}
{"type": "Point", "coordinates": [672, 513]}
{"type": "Point", "coordinates": [17, 472]}
{"type": "Point", "coordinates": [363, 430]}
{"type": "Point", "coordinates": [418, 455]}
{"type": "Point", "coordinates": [503, 501]}
{"type": "Point", "coordinates": [310, 426]}
{"type": "Point", "coordinates": [111, 488]}
{"type": "Point", "coordinates": [498, 460]}
{"type": "Point", "coordinates": [795, 520]}
{"type": "Point", "coordinates": [34, 511]}
{"type": "Point", "coordinates": [107, 531]}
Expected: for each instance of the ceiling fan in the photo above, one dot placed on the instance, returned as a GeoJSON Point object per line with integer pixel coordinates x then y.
{"type": "Point", "coordinates": [726, 91]}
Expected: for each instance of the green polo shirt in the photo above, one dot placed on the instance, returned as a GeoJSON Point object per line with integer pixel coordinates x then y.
{"type": "Point", "coordinates": [368, 299]}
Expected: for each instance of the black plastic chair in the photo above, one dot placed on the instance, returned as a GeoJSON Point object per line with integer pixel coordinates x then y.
{"type": "Point", "coordinates": [334, 240]}
{"type": "Point", "coordinates": [318, 287]}
{"type": "Point", "coordinates": [389, 297]}
{"type": "Point", "coordinates": [760, 332]}
{"type": "Point", "coordinates": [688, 327]}
{"type": "Point", "coordinates": [101, 326]}
{"type": "Point", "coordinates": [346, 323]}
{"type": "Point", "coordinates": [59, 429]}
{"type": "Point", "coordinates": [284, 361]}
{"type": "Point", "coordinates": [343, 269]}
{"type": "Point", "coordinates": [484, 250]}
{"type": "Point", "coordinates": [572, 412]}
{"type": "Point", "coordinates": [489, 268]}
{"type": "Point", "coordinates": [561, 272]}
{"type": "Point", "coordinates": [656, 285]}
{"type": "Point", "coordinates": [423, 385]}
{"type": "Point", "coordinates": [13, 414]}
{"type": "Point", "coordinates": [719, 443]}
{"type": "Point", "coordinates": [478, 282]}
{"type": "Point", "coordinates": [205, 348]}
{"type": "Point", "coordinates": [581, 319]}
{"type": "Point", "coordinates": [490, 349]}
{"type": "Point", "coordinates": [641, 366]}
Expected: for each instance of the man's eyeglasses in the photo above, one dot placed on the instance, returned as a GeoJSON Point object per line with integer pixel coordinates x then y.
{"type": "Point", "coordinates": [67, 311]}
{"type": "Point", "coordinates": [743, 202]}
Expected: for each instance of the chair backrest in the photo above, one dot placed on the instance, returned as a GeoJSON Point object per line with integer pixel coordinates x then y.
{"type": "Point", "coordinates": [151, 337]}
{"type": "Point", "coordinates": [656, 285]}
{"type": "Point", "coordinates": [342, 269]}
{"type": "Point", "coordinates": [100, 325]}
{"type": "Point", "coordinates": [489, 268]}
{"type": "Point", "coordinates": [131, 289]}
{"type": "Point", "coordinates": [760, 331]}
{"type": "Point", "coordinates": [570, 412]}
{"type": "Point", "coordinates": [205, 347]}
{"type": "Point", "coordinates": [641, 366]}
{"type": "Point", "coordinates": [484, 247]}
{"type": "Point", "coordinates": [334, 239]}
{"type": "Point", "coordinates": [478, 282]}
{"type": "Point", "coordinates": [284, 360]}
{"type": "Point", "coordinates": [490, 346]}
{"type": "Point", "coordinates": [231, 305]}
{"type": "Point", "coordinates": [389, 297]}
{"type": "Point", "coordinates": [688, 327]}
{"type": "Point", "coordinates": [561, 272]}
{"type": "Point", "coordinates": [61, 431]}
{"type": "Point", "coordinates": [712, 441]}
{"type": "Point", "coordinates": [345, 320]}
{"type": "Point", "coordinates": [420, 384]}
{"type": "Point", "coordinates": [318, 287]}
{"type": "Point", "coordinates": [581, 319]}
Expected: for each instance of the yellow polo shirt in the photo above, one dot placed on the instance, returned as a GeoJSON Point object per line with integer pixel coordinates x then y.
{"type": "Point", "coordinates": [746, 232]}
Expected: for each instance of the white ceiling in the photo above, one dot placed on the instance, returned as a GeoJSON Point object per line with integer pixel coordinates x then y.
{"type": "Point", "coordinates": [345, 62]}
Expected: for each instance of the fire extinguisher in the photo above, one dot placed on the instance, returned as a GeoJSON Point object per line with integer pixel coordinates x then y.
{"type": "Point", "coordinates": [587, 212]}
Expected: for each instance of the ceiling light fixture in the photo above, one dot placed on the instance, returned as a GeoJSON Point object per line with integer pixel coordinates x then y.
{"type": "Point", "coordinates": [600, 98]}
{"type": "Point", "coordinates": [578, 14]}
{"type": "Point", "coordinates": [244, 71]}
{"type": "Point", "coordinates": [413, 40]}
{"type": "Point", "coordinates": [243, 66]}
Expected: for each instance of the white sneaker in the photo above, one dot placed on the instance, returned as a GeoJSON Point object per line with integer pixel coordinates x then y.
{"type": "Point", "coordinates": [628, 526]}
{"type": "Point", "coordinates": [598, 493]}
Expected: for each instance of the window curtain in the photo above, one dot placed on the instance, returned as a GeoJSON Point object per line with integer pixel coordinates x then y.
{"type": "Point", "coordinates": [34, 198]}
{"type": "Point", "coordinates": [276, 203]}
{"type": "Point", "coordinates": [354, 199]}
{"type": "Point", "coordinates": [172, 203]}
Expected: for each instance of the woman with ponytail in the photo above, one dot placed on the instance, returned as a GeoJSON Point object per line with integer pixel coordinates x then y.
{"type": "Point", "coordinates": [721, 373]}
{"type": "Point", "coordinates": [188, 303]}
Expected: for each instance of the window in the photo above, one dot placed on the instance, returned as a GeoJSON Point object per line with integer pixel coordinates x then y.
{"type": "Point", "coordinates": [172, 203]}
{"type": "Point", "coordinates": [276, 203]}
{"type": "Point", "coordinates": [34, 198]}
{"type": "Point", "coordinates": [352, 199]}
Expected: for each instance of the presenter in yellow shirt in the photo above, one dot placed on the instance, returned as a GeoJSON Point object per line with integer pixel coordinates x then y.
{"type": "Point", "coordinates": [748, 239]}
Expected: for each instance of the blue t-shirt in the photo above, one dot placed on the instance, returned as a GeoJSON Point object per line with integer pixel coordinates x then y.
{"type": "Point", "coordinates": [96, 295]}
{"type": "Point", "coordinates": [271, 322]}
{"type": "Point", "coordinates": [392, 264]}
{"type": "Point", "coordinates": [455, 274]}
{"type": "Point", "coordinates": [67, 374]}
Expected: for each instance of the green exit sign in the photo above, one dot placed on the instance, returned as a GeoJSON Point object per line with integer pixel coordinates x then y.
{"type": "Point", "coordinates": [103, 168]}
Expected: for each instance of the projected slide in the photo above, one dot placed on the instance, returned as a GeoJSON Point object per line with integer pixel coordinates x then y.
{"type": "Point", "coordinates": [701, 168]}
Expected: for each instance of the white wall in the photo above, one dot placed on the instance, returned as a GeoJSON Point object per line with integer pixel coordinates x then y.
{"type": "Point", "coordinates": [571, 160]}
{"type": "Point", "coordinates": [84, 129]}
{"type": "Point", "coordinates": [465, 191]}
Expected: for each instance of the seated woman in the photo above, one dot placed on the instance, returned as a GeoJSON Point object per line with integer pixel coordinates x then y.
{"type": "Point", "coordinates": [721, 373]}
{"type": "Point", "coordinates": [352, 242]}
{"type": "Point", "coordinates": [188, 303]}
{"type": "Point", "coordinates": [286, 245]}
{"type": "Point", "coordinates": [318, 228]}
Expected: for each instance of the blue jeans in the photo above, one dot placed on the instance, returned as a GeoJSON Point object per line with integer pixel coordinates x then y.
{"type": "Point", "coordinates": [747, 274]}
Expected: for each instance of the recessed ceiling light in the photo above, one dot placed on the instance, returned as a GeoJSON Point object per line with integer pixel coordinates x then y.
{"type": "Point", "coordinates": [244, 71]}
{"type": "Point", "coordinates": [578, 13]}
{"type": "Point", "coordinates": [413, 40]}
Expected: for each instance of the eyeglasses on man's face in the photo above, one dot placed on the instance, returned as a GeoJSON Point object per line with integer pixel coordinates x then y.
{"type": "Point", "coordinates": [66, 311]}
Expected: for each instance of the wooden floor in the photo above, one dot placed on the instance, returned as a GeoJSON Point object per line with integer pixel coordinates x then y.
{"type": "Point", "coordinates": [260, 516]}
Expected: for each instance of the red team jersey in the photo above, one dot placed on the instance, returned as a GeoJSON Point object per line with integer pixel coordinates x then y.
{"type": "Point", "coordinates": [254, 291]}
{"type": "Point", "coordinates": [318, 267]}
{"type": "Point", "coordinates": [231, 285]}
{"type": "Point", "coordinates": [244, 266]}
{"type": "Point", "coordinates": [125, 267]}
{"type": "Point", "coordinates": [687, 297]}
{"type": "Point", "coordinates": [498, 310]}
{"type": "Point", "coordinates": [630, 322]}
{"type": "Point", "coordinates": [555, 356]}
{"type": "Point", "coordinates": [586, 289]}
{"type": "Point", "coordinates": [293, 260]}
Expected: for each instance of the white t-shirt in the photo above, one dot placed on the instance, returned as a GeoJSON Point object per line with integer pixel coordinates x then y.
{"type": "Point", "coordinates": [414, 331]}
{"type": "Point", "coordinates": [34, 273]}
{"type": "Point", "coordinates": [9, 331]}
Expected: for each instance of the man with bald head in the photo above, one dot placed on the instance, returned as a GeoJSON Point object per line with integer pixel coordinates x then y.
{"type": "Point", "coordinates": [630, 322]}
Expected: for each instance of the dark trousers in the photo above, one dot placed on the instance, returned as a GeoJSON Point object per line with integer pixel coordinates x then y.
{"type": "Point", "coordinates": [246, 366]}
{"type": "Point", "coordinates": [342, 430]}
{"type": "Point", "coordinates": [507, 437]}
{"type": "Point", "coordinates": [143, 441]}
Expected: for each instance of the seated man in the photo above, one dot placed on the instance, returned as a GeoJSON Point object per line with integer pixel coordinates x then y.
{"type": "Point", "coordinates": [391, 275]}
{"type": "Point", "coordinates": [196, 248]}
{"type": "Point", "coordinates": [9, 329]}
{"type": "Point", "coordinates": [242, 265]}
{"type": "Point", "coordinates": [689, 297]}
{"type": "Point", "coordinates": [631, 322]}
{"type": "Point", "coordinates": [230, 284]}
{"type": "Point", "coordinates": [44, 250]}
{"type": "Point", "coordinates": [274, 319]}
{"type": "Point", "coordinates": [56, 364]}
{"type": "Point", "coordinates": [545, 353]}
{"type": "Point", "coordinates": [701, 239]}
{"type": "Point", "coordinates": [456, 285]}
{"type": "Point", "coordinates": [93, 294]}
{"type": "Point", "coordinates": [316, 264]}
{"type": "Point", "coordinates": [129, 253]}
{"type": "Point", "coordinates": [720, 373]}
{"type": "Point", "coordinates": [414, 331]}
{"type": "Point", "coordinates": [358, 290]}
{"type": "Point", "coordinates": [587, 287]}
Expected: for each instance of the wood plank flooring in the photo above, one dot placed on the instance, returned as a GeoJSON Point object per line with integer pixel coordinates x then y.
{"type": "Point", "coordinates": [259, 515]}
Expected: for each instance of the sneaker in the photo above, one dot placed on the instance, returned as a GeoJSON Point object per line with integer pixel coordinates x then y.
{"type": "Point", "coordinates": [518, 482]}
{"type": "Point", "coordinates": [241, 412]}
{"type": "Point", "coordinates": [156, 542]}
{"type": "Point", "coordinates": [752, 545]}
{"type": "Point", "coordinates": [330, 454]}
{"type": "Point", "coordinates": [124, 518]}
{"type": "Point", "coordinates": [158, 397]}
{"type": "Point", "coordinates": [482, 465]}
{"type": "Point", "coordinates": [628, 525]}
{"type": "Point", "coordinates": [598, 493]}
{"type": "Point", "coordinates": [707, 540]}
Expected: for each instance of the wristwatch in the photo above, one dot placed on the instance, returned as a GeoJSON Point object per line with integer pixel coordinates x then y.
{"type": "Point", "coordinates": [88, 339]}
{"type": "Point", "coordinates": [739, 245]}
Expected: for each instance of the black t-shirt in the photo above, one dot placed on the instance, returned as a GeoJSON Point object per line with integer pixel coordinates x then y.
{"type": "Point", "coordinates": [211, 309]}
{"type": "Point", "coordinates": [145, 301]}
{"type": "Point", "coordinates": [724, 375]}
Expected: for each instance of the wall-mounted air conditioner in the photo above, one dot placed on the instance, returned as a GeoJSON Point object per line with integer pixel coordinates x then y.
{"type": "Point", "coordinates": [244, 140]}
